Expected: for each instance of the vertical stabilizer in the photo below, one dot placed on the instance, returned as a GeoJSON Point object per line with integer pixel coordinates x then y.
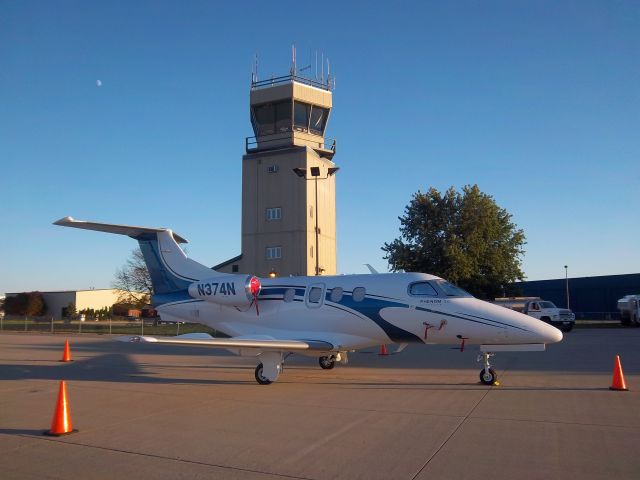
{"type": "Point", "coordinates": [169, 267]}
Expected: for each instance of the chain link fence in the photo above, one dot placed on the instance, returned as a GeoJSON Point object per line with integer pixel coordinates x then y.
{"type": "Point", "coordinates": [108, 326]}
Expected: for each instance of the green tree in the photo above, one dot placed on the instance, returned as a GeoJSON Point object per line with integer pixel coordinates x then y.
{"type": "Point", "coordinates": [464, 237]}
{"type": "Point", "coordinates": [133, 281]}
{"type": "Point", "coordinates": [72, 311]}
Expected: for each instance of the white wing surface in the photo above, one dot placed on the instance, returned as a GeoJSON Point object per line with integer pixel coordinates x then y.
{"type": "Point", "coordinates": [237, 342]}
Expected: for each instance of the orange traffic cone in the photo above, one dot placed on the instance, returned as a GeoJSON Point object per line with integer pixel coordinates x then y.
{"type": "Point", "coordinates": [66, 355]}
{"type": "Point", "coordinates": [383, 350]}
{"type": "Point", "coordinates": [618, 382]}
{"type": "Point", "coordinates": [61, 423]}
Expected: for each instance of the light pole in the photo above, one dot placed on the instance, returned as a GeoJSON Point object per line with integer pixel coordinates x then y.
{"type": "Point", "coordinates": [566, 281]}
{"type": "Point", "coordinates": [315, 175]}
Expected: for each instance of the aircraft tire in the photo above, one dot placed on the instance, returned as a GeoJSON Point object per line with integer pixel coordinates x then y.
{"type": "Point", "coordinates": [259, 378]}
{"type": "Point", "coordinates": [327, 363]}
{"type": "Point", "coordinates": [488, 378]}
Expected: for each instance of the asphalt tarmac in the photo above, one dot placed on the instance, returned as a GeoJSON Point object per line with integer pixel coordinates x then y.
{"type": "Point", "coordinates": [150, 411]}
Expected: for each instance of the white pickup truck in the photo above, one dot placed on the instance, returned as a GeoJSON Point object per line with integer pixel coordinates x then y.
{"type": "Point", "coordinates": [543, 310]}
{"type": "Point", "coordinates": [629, 307]}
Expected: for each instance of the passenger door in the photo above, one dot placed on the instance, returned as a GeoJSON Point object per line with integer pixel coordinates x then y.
{"type": "Point", "coordinates": [314, 297]}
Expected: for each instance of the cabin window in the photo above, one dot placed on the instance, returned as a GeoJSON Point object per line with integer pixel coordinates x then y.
{"type": "Point", "coordinates": [289, 295]}
{"type": "Point", "coordinates": [336, 294]}
{"type": "Point", "coordinates": [422, 289]}
{"type": "Point", "coordinates": [358, 294]}
{"type": "Point", "coordinates": [451, 290]}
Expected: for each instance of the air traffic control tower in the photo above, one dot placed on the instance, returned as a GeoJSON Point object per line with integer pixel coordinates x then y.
{"type": "Point", "coordinates": [288, 181]}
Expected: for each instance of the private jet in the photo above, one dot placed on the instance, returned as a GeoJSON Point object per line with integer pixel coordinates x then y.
{"type": "Point", "coordinates": [321, 316]}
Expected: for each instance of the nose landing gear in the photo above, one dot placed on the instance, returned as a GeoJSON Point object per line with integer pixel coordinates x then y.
{"type": "Point", "coordinates": [328, 362]}
{"type": "Point", "coordinates": [488, 375]}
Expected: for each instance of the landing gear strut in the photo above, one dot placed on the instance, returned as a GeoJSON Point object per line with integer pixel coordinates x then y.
{"type": "Point", "coordinates": [488, 375]}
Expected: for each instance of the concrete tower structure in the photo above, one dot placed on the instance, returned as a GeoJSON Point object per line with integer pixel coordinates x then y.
{"type": "Point", "coordinates": [288, 182]}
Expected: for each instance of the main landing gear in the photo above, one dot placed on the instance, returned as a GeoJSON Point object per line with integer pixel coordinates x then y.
{"type": "Point", "coordinates": [488, 375]}
{"type": "Point", "coordinates": [271, 365]}
{"type": "Point", "coordinates": [269, 368]}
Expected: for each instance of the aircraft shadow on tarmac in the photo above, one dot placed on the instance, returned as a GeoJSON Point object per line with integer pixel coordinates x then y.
{"type": "Point", "coordinates": [120, 361]}
{"type": "Point", "coordinates": [110, 367]}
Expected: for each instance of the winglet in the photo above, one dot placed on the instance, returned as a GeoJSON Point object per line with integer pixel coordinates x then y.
{"type": "Point", "coordinates": [371, 269]}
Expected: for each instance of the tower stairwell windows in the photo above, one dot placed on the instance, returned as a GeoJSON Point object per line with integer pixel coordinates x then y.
{"type": "Point", "coordinates": [274, 213]}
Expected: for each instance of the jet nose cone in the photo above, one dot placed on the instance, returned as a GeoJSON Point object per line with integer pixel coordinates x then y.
{"type": "Point", "coordinates": [550, 334]}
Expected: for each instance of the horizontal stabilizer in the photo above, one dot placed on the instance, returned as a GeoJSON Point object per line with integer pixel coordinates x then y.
{"type": "Point", "coordinates": [259, 343]}
{"type": "Point", "coordinates": [130, 231]}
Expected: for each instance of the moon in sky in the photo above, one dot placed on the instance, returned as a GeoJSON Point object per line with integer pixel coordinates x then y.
{"type": "Point", "coordinates": [98, 83]}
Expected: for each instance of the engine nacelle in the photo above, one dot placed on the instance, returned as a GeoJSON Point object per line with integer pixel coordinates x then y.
{"type": "Point", "coordinates": [234, 290]}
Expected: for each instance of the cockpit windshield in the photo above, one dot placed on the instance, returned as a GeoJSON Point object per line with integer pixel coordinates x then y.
{"type": "Point", "coordinates": [451, 290]}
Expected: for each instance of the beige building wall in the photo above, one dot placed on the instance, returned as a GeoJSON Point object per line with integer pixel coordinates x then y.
{"type": "Point", "coordinates": [95, 299]}
{"type": "Point", "coordinates": [268, 181]}
{"type": "Point", "coordinates": [294, 232]}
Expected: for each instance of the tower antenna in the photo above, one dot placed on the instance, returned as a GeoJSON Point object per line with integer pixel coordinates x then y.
{"type": "Point", "coordinates": [293, 60]}
{"type": "Point", "coordinates": [328, 71]}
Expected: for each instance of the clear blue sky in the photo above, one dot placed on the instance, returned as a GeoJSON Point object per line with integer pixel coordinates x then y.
{"type": "Point", "coordinates": [538, 102]}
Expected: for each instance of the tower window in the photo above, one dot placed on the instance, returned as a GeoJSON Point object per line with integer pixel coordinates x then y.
{"type": "Point", "coordinates": [309, 118]}
{"type": "Point", "coordinates": [318, 120]}
{"type": "Point", "coordinates": [283, 117]}
{"type": "Point", "coordinates": [301, 116]}
{"type": "Point", "coordinates": [234, 268]}
{"type": "Point", "coordinates": [274, 213]}
{"type": "Point", "coordinates": [273, 169]}
{"type": "Point", "coordinates": [271, 118]}
{"type": "Point", "coordinates": [274, 253]}
{"type": "Point", "coordinates": [265, 118]}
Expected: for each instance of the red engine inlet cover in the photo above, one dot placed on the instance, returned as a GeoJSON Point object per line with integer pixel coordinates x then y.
{"type": "Point", "coordinates": [254, 286]}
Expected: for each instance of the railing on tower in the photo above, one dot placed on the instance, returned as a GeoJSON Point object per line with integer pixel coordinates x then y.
{"type": "Point", "coordinates": [288, 79]}
{"type": "Point", "coordinates": [266, 142]}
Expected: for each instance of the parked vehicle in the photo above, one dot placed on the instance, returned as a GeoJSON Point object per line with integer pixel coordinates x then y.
{"type": "Point", "coordinates": [629, 307]}
{"type": "Point", "coordinates": [544, 310]}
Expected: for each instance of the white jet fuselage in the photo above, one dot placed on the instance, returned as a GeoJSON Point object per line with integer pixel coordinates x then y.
{"type": "Point", "coordinates": [359, 311]}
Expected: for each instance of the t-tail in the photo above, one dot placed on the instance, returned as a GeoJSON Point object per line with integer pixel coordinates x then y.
{"type": "Point", "coordinates": [170, 269]}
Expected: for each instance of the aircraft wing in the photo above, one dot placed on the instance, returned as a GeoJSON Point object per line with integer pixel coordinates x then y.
{"type": "Point", "coordinates": [237, 342]}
